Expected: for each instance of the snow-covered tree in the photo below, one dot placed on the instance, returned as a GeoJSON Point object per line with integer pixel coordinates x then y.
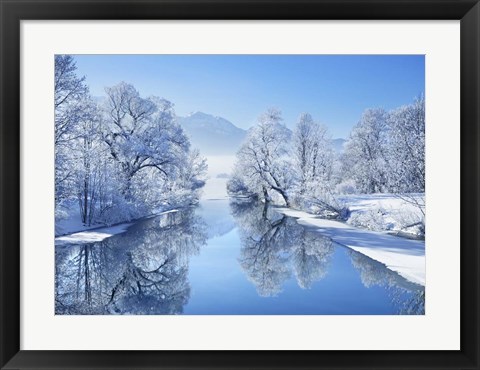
{"type": "Point", "coordinates": [407, 147]}
{"type": "Point", "coordinates": [120, 159]}
{"type": "Point", "coordinates": [407, 156]}
{"type": "Point", "coordinates": [150, 148]}
{"type": "Point", "coordinates": [386, 150]}
{"type": "Point", "coordinates": [313, 153]}
{"type": "Point", "coordinates": [69, 92]}
{"type": "Point", "coordinates": [89, 154]}
{"type": "Point", "coordinates": [365, 156]}
{"type": "Point", "coordinates": [184, 189]}
{"type": "Point", "coordinates": [130, 132]}
{"type": "Point", "coordinates": [313, 164]}
{"type": "Point", "coordinates": [238, 186]}
{"type": "Point", "coordinates": [262, 166]}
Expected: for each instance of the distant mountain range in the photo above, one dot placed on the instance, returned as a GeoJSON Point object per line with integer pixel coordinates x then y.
{"type": "Point", "coordinates": [212, 135]}
{"type": "Point", "coordinates": [218, 136]}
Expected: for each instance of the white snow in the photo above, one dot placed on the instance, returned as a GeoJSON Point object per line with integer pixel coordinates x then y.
{"type": "Point", "coordinates": [163, 213]}
{"type": "Point", "coordinates": [405, 256]}
{"type": "Point", "coordinates": [379, 212]}
{"type": "Point", "coordinates": [71, 222]}
{"type": "Point", "coordinates": [92, 236]}
{"type": "Point", "coordinates": [99, 233]}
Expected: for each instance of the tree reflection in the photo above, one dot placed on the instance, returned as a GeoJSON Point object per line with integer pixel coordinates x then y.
{"type": "Point", "coordinates": [163, 290]}
{"type": "Point", "coordinates": [275, 246]}
{"type": "Point", "coordinates": [311, 258]}
{"type": "Point", "coordinates": [143, 271]}
{"type": "Point", "coordinates": [407, 297]}
{"type": "Point", "coordinates": [81, 278]}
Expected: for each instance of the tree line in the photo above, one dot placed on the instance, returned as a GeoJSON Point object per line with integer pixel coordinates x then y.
{"type": "Point", "coordinates": [385, 153]}
{"type": "Point", "coordinates": [120, 157]}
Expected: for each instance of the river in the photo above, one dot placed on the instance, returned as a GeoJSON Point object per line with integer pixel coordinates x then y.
{"type": "Point", "coordinates": [226, 257]}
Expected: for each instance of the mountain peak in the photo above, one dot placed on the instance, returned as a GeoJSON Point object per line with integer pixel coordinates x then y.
{"type": "Point", "coordinates": [201, 119]}
{"type": "Point", "coordinates": [198, 114]}
{"type": "Point", "coordinates": [201, 116]}
{"type": "Point", "coordinates": [212, 133]}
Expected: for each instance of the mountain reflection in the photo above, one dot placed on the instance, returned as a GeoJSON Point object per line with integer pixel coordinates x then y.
{"type": "Point", "coordinates": [273, 247]}
{"type": "Point", "coordinates": [143, 271]}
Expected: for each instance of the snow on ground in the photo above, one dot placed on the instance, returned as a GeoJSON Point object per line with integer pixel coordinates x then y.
{"type": "Point", "coordinates": [92, 236]}
{"type": "Point", "coordinates": [373, 211]}
{"type": "Point", "coordinates": [71, 222]}
{"type": "Point", "coordinates": [71, 229]}
{"type": "Point", "coordinates": [379, 212]}
{"type": "Point", "coordinates": [97, 234]}
{"type": "Point", "coordinates": [405, 256]}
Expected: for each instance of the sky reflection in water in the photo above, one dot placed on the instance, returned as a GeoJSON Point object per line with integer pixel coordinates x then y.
{"type": "Point", "coordinates": [226, 258]}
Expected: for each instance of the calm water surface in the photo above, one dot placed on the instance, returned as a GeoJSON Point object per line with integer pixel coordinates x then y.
{"type": "Point", "coordinates": [226, 258]}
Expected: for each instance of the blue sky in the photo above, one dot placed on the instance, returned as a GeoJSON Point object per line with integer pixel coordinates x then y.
{"type": "Point", "coordinates": [334, 89]}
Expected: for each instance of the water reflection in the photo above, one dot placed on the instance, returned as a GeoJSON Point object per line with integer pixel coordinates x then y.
{"type": "Point", "coordinates": [156, 268]}
{"type": "Point", "coordinates": [273, 247]}
{"type": "Point", "coordinates": [407, 297]}
{"type": "Point", "coordinates": [143, 271]}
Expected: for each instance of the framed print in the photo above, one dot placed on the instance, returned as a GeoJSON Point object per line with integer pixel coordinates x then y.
{"type": "Point", "coordinates": [239, 185]}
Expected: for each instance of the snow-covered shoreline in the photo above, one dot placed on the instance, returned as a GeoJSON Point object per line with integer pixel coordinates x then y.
{"type": "Point", "coordinates": [99, 233]}
{"type": "Point", "coordinates": [404, 256]}
{"type": "Point", "coordinates": [400, 214]}
{"type": "Point", "coordinates": [92, 235]}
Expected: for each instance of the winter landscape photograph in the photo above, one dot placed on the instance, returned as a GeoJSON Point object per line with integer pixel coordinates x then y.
{"type": "Point", "coordinates": [239, 184]}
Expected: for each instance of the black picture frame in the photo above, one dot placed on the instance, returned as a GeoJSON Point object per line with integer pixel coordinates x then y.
{"type": "Point", "coordinates": [13, 11]}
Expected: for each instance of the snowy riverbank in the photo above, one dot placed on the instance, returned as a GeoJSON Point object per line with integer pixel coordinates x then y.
{"type": "Point", "coordinates": [372, 217]}
{"type": "Point", "coordinates": [92, 235]}
{"type": "Point", "coordinates": [405, 256]}
{"type": "Point", "coordinates": [386, 212]}
{"type": "Point", "coordinates": [97, 234]}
